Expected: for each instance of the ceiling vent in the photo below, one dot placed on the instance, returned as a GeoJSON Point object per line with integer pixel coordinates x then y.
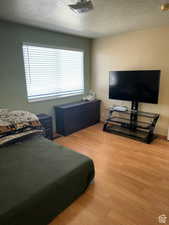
{"type": "Point", "coordinates": [82, 6]}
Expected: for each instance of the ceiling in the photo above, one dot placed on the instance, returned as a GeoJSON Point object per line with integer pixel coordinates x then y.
{"type": "Point", "coordinates": [108, 17]}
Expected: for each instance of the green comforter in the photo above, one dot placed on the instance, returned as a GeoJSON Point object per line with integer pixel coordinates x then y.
{"type": "Point", "coordinates": [38, 179]}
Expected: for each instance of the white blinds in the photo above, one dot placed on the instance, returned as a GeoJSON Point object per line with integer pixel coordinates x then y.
{"type": "Point", "coordinates": [52, 72]}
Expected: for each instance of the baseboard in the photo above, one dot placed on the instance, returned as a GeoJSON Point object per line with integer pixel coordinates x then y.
{"type": "Point", "coordinates": [56, 135]}
{"type": "Point", "coordinates": [162, 137]}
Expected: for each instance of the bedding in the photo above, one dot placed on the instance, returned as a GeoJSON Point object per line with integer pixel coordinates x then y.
{"type": "Point", "coordinates": [39, 179]}
{"type": "Point", "coordinates": [17, 124]}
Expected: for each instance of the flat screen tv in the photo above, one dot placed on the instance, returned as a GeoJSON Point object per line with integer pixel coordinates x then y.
{"type": "Point", "coordinates": [136, 86]}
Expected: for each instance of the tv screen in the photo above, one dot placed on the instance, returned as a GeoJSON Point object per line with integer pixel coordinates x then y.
{"type": "Point", "coordinates": [141, 86]}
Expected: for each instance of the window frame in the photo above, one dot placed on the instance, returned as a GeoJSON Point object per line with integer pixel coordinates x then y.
{"type": "Point", "coordinates": [46, 98]}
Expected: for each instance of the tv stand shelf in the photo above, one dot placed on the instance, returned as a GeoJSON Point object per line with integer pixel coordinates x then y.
{"type": "Point", "coordinates": [140, 124]}
{"type": "Point", "coordinates": [132, 123]}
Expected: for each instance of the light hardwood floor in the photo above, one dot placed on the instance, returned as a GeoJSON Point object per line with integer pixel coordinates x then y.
{"type": "Point", "coordinates": [131, 186]}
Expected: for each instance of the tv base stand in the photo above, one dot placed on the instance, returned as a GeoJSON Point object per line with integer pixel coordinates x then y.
{"type": "Point", "coordinates": [132, 123]}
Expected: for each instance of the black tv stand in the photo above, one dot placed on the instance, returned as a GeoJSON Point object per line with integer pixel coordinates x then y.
{"type": "Point", "coordinates": [132, 123]}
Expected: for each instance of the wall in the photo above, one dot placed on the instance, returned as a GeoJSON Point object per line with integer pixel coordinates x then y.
{"type": "Point", "coordinates": [147, 49]}
{"type": "Point", "coordinates": [12, 78]}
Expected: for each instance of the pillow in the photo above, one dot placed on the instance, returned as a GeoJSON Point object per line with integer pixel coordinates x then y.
{"type": "Point", "coordinates": [12, 122]}
{"type": "Point", "coordinates": [23, 119]}
{"type": "Point", "coordinates": [5, 125]}
{"type": "Point", "coordinates": [4, 113]}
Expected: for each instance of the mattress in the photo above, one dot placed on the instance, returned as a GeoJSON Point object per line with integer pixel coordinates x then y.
{"type": "Point", "coordinates": [39, 179]}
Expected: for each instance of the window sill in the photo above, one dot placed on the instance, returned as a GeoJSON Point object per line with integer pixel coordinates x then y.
{"type": "Point", "coordinates": [53, 97]}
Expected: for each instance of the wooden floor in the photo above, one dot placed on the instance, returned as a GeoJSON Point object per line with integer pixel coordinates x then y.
{"type": "Point", "coordinates": [131, 186]}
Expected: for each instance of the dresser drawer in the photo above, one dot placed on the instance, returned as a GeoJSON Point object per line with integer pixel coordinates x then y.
{"type": "Point", "coordinates": [46, 122]}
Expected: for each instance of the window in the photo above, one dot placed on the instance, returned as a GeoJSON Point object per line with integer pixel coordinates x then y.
{"type": "Point", "coordinates": [52, 72]}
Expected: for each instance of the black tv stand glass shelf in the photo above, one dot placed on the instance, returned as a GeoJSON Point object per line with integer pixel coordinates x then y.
{"type": "Point", "coordinates": [132, 123]}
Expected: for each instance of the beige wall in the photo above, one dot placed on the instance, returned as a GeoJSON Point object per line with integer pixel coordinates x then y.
{"type": "Point", "coordinates": [148, 49]}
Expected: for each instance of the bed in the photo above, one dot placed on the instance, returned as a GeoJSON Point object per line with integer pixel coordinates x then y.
{"type": "Point", "coordinates": [39, 179]}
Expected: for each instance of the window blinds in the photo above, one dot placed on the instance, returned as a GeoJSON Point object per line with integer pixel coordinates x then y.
{"type": "Point", "coordinates": [52, 72]}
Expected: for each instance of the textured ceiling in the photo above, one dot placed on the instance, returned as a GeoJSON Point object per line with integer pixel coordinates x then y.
{"type": "Point", "coordinates": [108, 16]}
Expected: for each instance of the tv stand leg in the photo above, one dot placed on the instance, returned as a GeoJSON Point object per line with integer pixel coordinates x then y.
{"type": "Point", "coordinates": [134, 105]}
{"type": "Point", "coordinates": [105, 126]}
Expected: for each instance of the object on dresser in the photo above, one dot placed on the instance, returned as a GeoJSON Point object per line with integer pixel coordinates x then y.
{"type": "Point", "coordinates": [46, 122]}
{"type": "Point", "coordinates": [90, 97]}
{"type": "Point", "coordinates": [75, 116]}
